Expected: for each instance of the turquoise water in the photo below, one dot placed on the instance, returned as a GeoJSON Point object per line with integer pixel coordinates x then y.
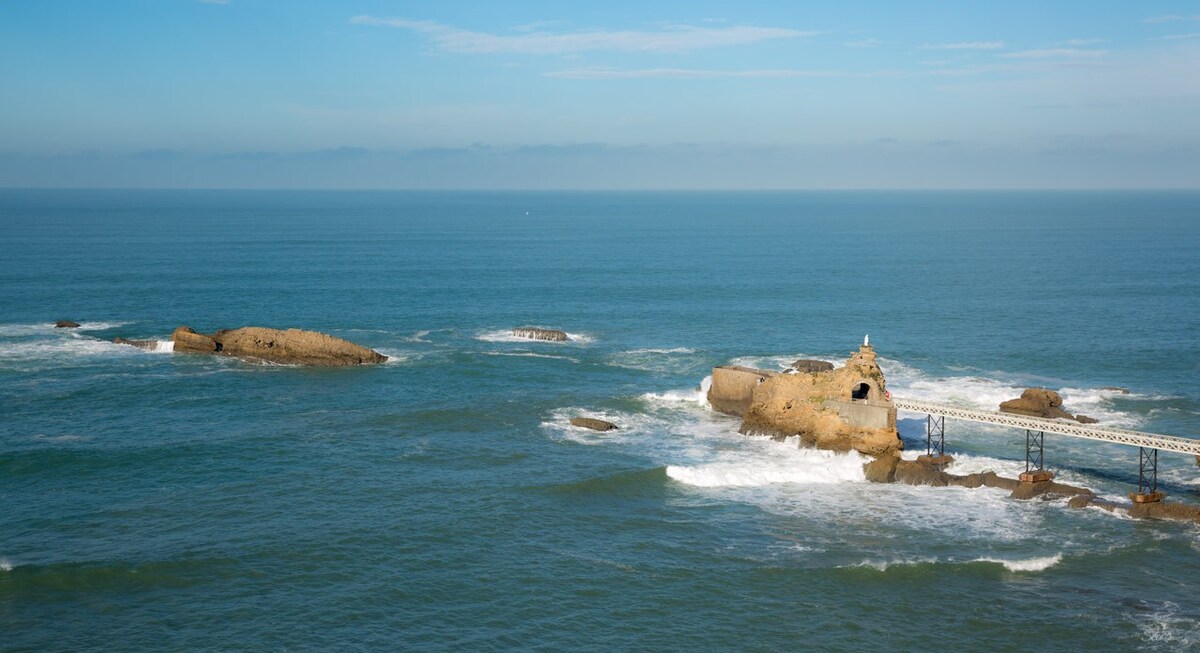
{"type": "Point", "coordinates": [162, 502]}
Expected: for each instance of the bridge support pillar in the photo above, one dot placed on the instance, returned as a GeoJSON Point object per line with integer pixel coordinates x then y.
{"type": "Point", "coordinates": [935, 442]}
{"type": "Point", "coordinates": [1035, 446]}
{"type": "Point", "coordinates": [1147, 477]}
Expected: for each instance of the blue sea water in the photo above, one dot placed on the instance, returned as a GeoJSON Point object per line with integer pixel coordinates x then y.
{"type": "Point", "coordinates": [167, 502]}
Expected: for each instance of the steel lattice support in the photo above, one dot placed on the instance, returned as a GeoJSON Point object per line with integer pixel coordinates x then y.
{"type": "Point", "coordinates": [1147, 470]}
{"type": "Point", "coordinates": [935, 435]}
{"type": "Point", "coordinates": [1035, 444]}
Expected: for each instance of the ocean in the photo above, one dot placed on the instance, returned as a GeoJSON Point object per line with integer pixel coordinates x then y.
{"type": "Point", "coordinates": [153, 501]}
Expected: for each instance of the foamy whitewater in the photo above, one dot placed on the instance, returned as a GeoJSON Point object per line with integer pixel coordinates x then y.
{"type": "Point", "coordinates": [443, 502]}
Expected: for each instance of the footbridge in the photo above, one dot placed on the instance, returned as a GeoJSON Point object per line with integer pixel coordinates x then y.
{"type": "Point", "coordinates": [1036, 428]}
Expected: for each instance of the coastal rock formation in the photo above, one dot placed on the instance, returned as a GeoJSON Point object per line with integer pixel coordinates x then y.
{"type": "Point", "coordinates": [290, 347]}
{"type": "Point", "coordinates": [811, 366]}
{"type": "Point", "coordinates": [843, 409]}
{"type": "Point", "coordinates": [1040, 402]}
{"type": "Point", "coordinates": [733, 387]}
{"type": "Point", "coordinates": [593, 424]}
{"type": "Point", "coordinates": [149, 345]}
{"type": "Point", "coordinates": [66, 324]}
{"type": "Point", "coordinates": [534, 333]}
{"type": "Point", "coordinates": [1037, 402]}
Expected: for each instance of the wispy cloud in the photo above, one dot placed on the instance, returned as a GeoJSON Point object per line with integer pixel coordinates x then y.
{"type": "Point", "coordinates": [865, 43]}
{"type": "Point", "coordinates": [1056, 53]}
{"type": "Point", "coordinates": [1076, 43]}
{"type": "Point", "coordinates": [681, 38]}
{"type": "Point", "coordinates": [963, 45]}
{"type": "Point", "coordinates": [688, 73]}
{"type": "Point", "coordinates": [1170, 18]}
{"type": "Point", "coordinates": [1178, 37]}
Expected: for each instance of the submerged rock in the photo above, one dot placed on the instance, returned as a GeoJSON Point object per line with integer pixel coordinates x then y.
{"type": "Point", "coordinates": [534, 333]}
{"type": "Point", "coordinates": [148, 345]}
{"type": "Point", "coordinates": [593, 424]}
{"type": "Point", "coordinates": [290, 347]}
{"type": "Point", "coordinates": [1084, 419]}
{"type": "Point", "coordinates": [1113, 388]}
{"type": "Point", "coordinates": [66, 324]}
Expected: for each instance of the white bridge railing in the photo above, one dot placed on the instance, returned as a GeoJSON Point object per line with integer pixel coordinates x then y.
{"type": "Point", "coordinates": [1061, 427]}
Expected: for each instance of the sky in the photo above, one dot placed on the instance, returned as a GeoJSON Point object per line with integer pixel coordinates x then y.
{"type": "Point", "coordinates": [531, 94]}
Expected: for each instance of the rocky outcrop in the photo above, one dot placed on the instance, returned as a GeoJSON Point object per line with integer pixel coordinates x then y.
{"type": "Point", "coordinates": [1040, 402]}
{"type": "Point", "coordinates": [843, 409]}
{"type": "Point", "coordinates": [66, 324]}
{"type": "Point", "coordinates": [733, 387]}
{"type": "Point", "coordinates": [149, 345]}
{"type": "Point", "coordinates": [882, 469]}
{"type": "Point", "coordinates": [1118, 390]}
{"type": "Point", "coordinates": [1154, 510]}
{"type": "Point", "coordinates": [534, 333]}
{"type": "Point", "coordinates": [1037, 402]}
{"type": "Point", "coordinates": [593, 424]}
{"type": "Point", "coordinates": [290, 347]}
{"type": "Point", "coordinates": [811, 366]}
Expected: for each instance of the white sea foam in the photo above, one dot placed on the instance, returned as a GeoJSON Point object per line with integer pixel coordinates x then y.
{"type": "Point", "coordinates": [5, 565]}
{"type": "Point", "coordinates": [785, 463]}
{"type": "Point", "coordinates": [781, 362]}
{"type": "Point", "coordinates": [419, 336]}
{"type": "Point", "coordinates": [1028, 564]}
{"type": "Point", "coordinates": [164, 346]}
{"type": "Point", "coordinates": [506, 335]}
{"type": "Point", "coordinates": [1164, 629]}
{"type": "Point", "coordinates": [698, 396]}
{"type": "Point", "coordinates": [530, 354]}
{"type": "Point", "coordinates": [664, 361]}
{"type": "Point", "coordinates": [884, 565]}
{"type": "Point", "coordinates": [675, 350]}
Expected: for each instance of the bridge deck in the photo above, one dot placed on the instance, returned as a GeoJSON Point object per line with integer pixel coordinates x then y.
{"type": "Point", "coordinates": [1061, 427]}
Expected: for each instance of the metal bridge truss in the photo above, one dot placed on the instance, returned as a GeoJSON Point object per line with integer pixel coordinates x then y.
{"type": "Point", "coordinates": [1061, 427]}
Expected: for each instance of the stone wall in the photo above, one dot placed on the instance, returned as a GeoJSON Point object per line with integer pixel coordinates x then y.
{"type": "Point", "coordinates": [733, 386]}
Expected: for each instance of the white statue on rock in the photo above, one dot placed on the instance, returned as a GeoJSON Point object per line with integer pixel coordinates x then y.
{"type": "Point", "coordinates": [867, 340]}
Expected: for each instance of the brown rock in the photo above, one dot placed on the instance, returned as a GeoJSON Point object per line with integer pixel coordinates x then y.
{"type": "Point", "coordinates": [1165, 510]}
{"type": "Point", "coordinates": [812, 366]}
{"type": "Point", "coordinates": [534, 333]}
{"type": "Point", "coordinates": [186, 339]}
{"type": "Point", "coordinates": [292, 347]}
{"type": "Point", "coordinates": [994, 480]}
{"type": "Point", "coordinates": [911, 472]}
{"type": "Point", "coordinates": [882, 469]}
{"type": "Point", "coordinates": [66, 324]}
{"type": "Point", "coordinates": [1084, 419]}
{"type": "Point", "coordinates": [1037, 402]}
{"type": "Point", "coordinates": [593, 423]}
{"type": "Point", "coordinates": [826, 410]}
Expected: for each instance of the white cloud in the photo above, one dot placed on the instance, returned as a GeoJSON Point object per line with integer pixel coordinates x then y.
{"type": "Point", "coordinates": [1178, 37]}
{"type": "Point", "coordinates": [1075, 43]}
{"type": "Point", "coordinates": [1056, 53]}
{"type": "Point", "coordinates": [688, 73]}
{"type": "Point", "coordinates": [680, 38]}
{"type": "Point", "coordinates": [865, 43]}
{"type": "Point", "coordinates": [964, 45]}
{"type": "Point", "coordinates": [1169, 18]}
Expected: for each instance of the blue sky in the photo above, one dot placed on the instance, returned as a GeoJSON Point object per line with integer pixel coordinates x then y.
{"type": "Point", "coordinates": [256, 93]}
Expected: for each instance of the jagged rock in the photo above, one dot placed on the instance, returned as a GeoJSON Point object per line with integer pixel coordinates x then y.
{"type": "Point", "coordinates": [186, 339]}
{"type": "Point", "coordinates": [841, 410]}
{"type": "Point", "coordinates": [994, 480]}
{"type": "Point", "coordinates": [1037, 402]}
{"type": "Point", "coordinates": [66, 324]}
{"type": "Point", "coordinates": [1084, 419]}
{"type": "Point", "coordinates": [811, 366]}
{"type": "Point", "coordinates": [882, 469]}
{"type": "Point", "coordinates": [149, 345]}
{"type": "Point", "coordinates": [912, 472]}
{"type": "Point", "coordinates": [534, 333]}
{"type": "Point", "coordinates": [593, 424]}
{"type": "Point", "coordinates": [1047, 490]}
{"type": "Point", "coordinates": [1113, 388]}
{"type": "Point", "coordinates": [290, 347]}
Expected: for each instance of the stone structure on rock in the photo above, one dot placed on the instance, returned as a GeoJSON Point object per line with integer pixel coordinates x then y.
{"type": "Point", "coordinates": [806, 365]}
{"type": "Point", "coordinates": [290, 347]}
{"type": "Point", "coordinates": [842, 409]}
{"type": "Point", "coordinates": [535, 333]}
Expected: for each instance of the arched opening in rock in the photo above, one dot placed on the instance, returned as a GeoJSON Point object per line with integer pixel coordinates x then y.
{"type": "Point", "coordinates": [860, 391]}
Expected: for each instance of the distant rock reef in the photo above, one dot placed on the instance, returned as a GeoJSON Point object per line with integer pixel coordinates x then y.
{"type": "Point", "coordinates": [287, 347]}
{"type": "Point", "coordinates": [535, 333]}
